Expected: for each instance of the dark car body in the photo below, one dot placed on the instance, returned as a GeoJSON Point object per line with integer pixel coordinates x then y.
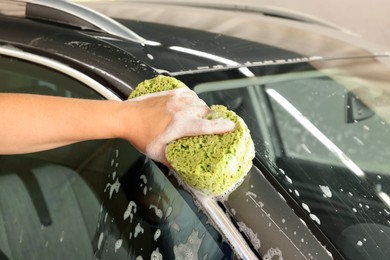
{"type": "Point", "coordinates": [317, 105]}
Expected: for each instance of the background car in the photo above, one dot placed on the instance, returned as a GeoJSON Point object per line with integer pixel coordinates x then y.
{"type": "Point", "coordinates": [316, 102]}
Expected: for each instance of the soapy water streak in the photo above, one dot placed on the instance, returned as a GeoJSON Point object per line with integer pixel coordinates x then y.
{"type": "Point", "coordinates": [189, 250]}
{"type": "Point", "coordinates": [113, 187]}
{"type": "Point", "coordinates": [280, 229]}
{"type": "Point", "coordinates": [116, 185]}
{"type": "Point", "coordinates": [131, 209]}
{"type": "Point", "coordinates": [144, 184]}
{"type": "Point", "coordinates": [252, 235]}
{"type": "Point", "coordinates": [273, 252]}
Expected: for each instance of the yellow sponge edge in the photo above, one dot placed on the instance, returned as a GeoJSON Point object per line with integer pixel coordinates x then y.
{"type": "Point", "coordinates": [213, 164]}
{"type": "Point", "coordinates": [156, 84]}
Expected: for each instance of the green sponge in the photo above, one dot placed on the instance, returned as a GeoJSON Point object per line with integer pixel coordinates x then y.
{"type": "Point", "coordinates": [213, 164]}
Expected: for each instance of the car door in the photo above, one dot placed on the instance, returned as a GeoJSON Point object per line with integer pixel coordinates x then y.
{"type": "Point", "coordinates": [98, 199]}
{"type": "Point", "coordinates": [332, 172]}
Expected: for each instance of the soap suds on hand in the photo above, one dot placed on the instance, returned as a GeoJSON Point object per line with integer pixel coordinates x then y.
{"type": "Point", "coordinates": [213, 164]}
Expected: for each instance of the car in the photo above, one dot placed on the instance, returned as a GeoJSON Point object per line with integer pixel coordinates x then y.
{"type": "Point", "coordinates": [315, 97]}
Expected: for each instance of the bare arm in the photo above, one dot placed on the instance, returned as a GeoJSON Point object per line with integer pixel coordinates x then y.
{"type": "Point", "coordinates": [32, 123]}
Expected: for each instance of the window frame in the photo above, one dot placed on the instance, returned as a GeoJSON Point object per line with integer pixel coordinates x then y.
{"type": "Point", "coordinates": [14, 52]}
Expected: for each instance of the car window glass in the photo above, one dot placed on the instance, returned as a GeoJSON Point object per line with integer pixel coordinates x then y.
{"type": "Point", "coordinates": [331, 161]}
{"type": "Point", "coordinates": [23, 77]}
{"type": "Point", "coordinates": [335, 168]}
{"type": "Point", "coordinates": [325, 107]}
{"type": "Point", "coordinates": [97, 199]}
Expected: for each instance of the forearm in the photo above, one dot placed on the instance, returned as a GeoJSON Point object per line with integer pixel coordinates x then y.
{"type": "Point", "coordinates": [33, 123]}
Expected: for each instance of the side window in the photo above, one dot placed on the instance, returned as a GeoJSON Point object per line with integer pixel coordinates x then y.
{"type": "Point", "coordinates": [24, 77]}
{"type": "Point", "coordinates": [96, 199]}
{"type": "Point", "coordinates": [328, 161]}
{"type": "Point", "coordinates": [365, 142]}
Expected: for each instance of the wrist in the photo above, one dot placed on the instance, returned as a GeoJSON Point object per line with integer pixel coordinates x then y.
{"type": "Point", "coordinates": [125, 122]}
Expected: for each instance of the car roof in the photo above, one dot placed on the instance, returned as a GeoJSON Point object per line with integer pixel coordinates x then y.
{"type": "Point", "coordinates": [294, 36]}
{"type": "Point", "coordinates": [76, 36]}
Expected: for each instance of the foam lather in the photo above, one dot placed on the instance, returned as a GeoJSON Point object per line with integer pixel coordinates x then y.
{"type": "Point", "coordinates": [213, 164]}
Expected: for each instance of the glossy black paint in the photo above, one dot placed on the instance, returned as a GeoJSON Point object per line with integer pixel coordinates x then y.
{"type": "Point", "coordinates": [127, 62]}
{"type": "Point", "coordinates": [88, 53]}
{"type": "Point", "coordinates": [214, 49]}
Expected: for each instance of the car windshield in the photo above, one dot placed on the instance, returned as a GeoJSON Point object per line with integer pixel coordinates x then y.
{"type": "Point", "coordinates": [322, 132]}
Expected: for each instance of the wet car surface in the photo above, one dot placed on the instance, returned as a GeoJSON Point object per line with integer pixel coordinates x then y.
{"type": "Point", "coordinates": [318, 114]}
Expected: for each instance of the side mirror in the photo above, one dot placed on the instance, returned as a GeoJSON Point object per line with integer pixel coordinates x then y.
{"type": "Point", "coordinates": [355, 109]}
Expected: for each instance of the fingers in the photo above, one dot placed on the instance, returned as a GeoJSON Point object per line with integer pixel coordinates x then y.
{"type": "Point", "coordinates": [195, 109]}
{"type": "Point", "coordinates": [188, 112]}
{"type": "Point", "coordinates": [182, 101]}
{"type": "Point", "coordinates": [217, 126]}
{"type": "Point", "coordinates": [208, 127]}
{"type": "Point", "coordinates": [187, 103]}
{"type": "Point", "coordinates": [180, 113]}
{"type": "Point", "coordinates": [193, 126]}
{"type": "Point", "coordinates": [188, 127]}
{"type": "Point", "coordinates": [185, 93]}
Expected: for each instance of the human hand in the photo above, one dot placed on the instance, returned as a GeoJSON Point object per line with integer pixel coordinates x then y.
{"type": "Point", "coordinates": [169, 115]}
